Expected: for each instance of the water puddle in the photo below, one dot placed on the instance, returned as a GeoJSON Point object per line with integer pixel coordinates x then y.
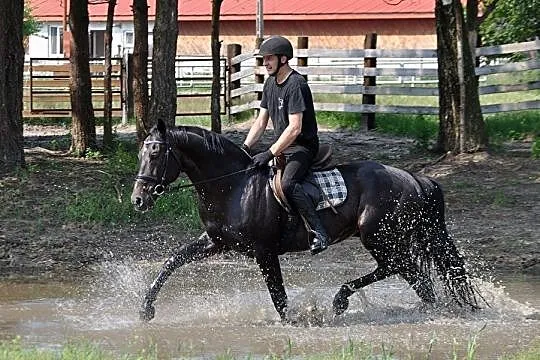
{"type": "Point", "coordinates": [222, 305]}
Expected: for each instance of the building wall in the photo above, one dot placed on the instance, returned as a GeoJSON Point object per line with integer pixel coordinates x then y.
{"type": "Point", "coordinates": [40, 44]}
{"type": "Point", "coordinates": [337, 34]}
{"type": "Point", "coordinates": [194, 36]}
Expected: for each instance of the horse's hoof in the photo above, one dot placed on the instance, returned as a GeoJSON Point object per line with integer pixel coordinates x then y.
{"type": "Point", "coordinates": [288, 321]}
{"type": "Point", "coordinates": [147, 312]}
{"type": "Point", "coordinates": [341, 300]}
{"type": "Point", "coordinates": [340, 304]}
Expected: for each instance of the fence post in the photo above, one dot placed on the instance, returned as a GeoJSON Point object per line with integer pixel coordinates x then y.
{"type": "Point", "coordinates": [232, 51]}
{"type": "Point", "coordinates": [303, 42]}
{"type": "Point", "coordinates": [128, 109]}
{"type": "Point", "coordinates": [259, 79]}
{"type": "Point", "coordinates": [368, 119]}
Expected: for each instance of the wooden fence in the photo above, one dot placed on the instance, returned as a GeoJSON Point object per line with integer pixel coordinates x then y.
{"type": "Point", "coordinates": [46, 86]}
{"type": "Point", "coordinates": [403, 74]}
{"type": "Point", "coordinates": [406, 81]}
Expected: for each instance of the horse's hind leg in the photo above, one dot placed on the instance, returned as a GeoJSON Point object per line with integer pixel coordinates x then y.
{"type": "Point", "coordinates": [194, 251]}
{"type": "Point", "coordinates": [341, 300]}
{"type": "Point", "coordinates": [419, 281]}
{"type": "Point", "coordinates": [368, 225]}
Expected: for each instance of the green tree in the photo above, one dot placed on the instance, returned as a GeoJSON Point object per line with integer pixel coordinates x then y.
{"type": "Point", "coordinates": [30, 24]}
{"type": "Point", "coordinates": [508, 21]}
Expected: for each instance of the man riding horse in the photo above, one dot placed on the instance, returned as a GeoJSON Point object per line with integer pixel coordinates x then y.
{"type": "Point", "coordinates": [287, 101]}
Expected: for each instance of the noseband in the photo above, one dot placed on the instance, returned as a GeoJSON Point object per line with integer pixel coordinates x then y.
{"type": "Point", "coordinates": [159, 184]}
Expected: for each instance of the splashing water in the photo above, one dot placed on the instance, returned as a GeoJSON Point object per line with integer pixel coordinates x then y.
{"type": "Point", "coordinates": [110, 300]}
{"type": "Point", "coordinates": [222, 304]}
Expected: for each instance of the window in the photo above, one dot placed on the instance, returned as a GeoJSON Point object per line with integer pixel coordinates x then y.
{"type": "Point", "coordinates": [128, 39]}
{"type": "Point", "coordinates": [56, 40]}
{"type": "Point", "coordinates": [97, 43]}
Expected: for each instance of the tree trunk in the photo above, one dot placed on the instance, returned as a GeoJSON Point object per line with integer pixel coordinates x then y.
{"type": "Point", "coordinates": [140, 68]}
{"type": "Point", "coordinates": [11, 84]}
{"type": "Point", "coordinates": [471, 23]}
{"type": "Point", "coordinates": [461, 126]}
{"type": "Point", "coordinates": [215, 105]}
{"type": "Point", "coordinates": [163, 101]}
{"type": "Point", "coordinates": [83, 128]}
{"type": "Point", "coordinates": [107, 95]}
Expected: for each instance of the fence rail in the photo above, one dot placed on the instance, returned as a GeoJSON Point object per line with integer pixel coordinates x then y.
{"type": "Point", "coordinates": [407, 72]}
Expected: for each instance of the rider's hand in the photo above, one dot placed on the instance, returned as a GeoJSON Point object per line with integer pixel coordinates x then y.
{"type": "Point", "coordinates": [263, 158]}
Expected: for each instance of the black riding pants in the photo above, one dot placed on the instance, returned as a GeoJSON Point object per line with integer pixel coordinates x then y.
{"type": "Point", "coordinates": [298, 160]}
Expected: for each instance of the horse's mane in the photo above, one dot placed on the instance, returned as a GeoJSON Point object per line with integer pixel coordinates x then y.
{"type": "Point", "coordinates": [212, 141]}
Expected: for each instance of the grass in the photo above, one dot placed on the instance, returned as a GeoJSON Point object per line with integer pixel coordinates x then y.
{"type": "Point", "coordinates": [104, 196]}
{"type": "Point", "coordinates": [511, 78]}
{"type": "Point", "coordinates": [103, 205]}
{"type": "Point", "coordinates": [351, 350]}
{"type": "Point", "coordinates": [109, 200]}
{"type": "Point", "coordinates": [513, 126]}
{"type": "Point", "coordinates": [14, 350]}
{"type": "Point", "coordinates": [500, 127]}
{"type": "Point", "coordinates": [106, 200]}
{"type": "Point", "coordinates": [420, 127]}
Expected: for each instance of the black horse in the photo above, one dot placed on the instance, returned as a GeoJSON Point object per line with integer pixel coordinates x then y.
{"type": "Point", "coordinates": [398, 217]}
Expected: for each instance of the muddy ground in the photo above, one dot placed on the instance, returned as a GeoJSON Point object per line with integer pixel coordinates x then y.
{"type": "Point", "coordinates": [492, 200]}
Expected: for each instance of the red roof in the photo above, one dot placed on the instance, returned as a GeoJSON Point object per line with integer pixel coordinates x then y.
{"type": "Point", "coordinates": [52, 10]}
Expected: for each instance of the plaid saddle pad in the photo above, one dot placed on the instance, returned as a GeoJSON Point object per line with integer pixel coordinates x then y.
{"type": "Point", "coordinates": [332, 186]}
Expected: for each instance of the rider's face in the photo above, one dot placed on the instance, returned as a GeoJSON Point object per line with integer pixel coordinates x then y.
{"type": "Point", "coordinates": [271, 64]}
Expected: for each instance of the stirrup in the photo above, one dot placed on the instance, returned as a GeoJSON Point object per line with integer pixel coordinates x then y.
{"type": "Point", "coordinates": [318, 245]}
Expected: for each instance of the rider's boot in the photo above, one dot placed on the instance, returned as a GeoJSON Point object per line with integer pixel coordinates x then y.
{"type": "Point", "coordinates": [306, 208]}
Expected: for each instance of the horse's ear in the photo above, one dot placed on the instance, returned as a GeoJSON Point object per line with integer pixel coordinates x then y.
{"type": "Point", "coordinates": [161, 126]}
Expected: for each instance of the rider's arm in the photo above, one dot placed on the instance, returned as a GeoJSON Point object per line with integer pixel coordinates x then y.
{"type": "Point", "coordinates": [258, 127]}
{"type": "Point", "coordinates": [289, 135]}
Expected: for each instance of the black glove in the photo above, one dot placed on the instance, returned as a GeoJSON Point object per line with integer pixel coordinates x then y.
{"type": "Point", "coordinates": [263, 158]}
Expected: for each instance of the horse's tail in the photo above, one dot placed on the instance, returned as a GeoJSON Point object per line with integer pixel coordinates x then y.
{"type": "Point", "coordinates": [444, 255]}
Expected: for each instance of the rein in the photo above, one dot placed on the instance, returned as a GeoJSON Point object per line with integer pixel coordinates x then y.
{"type": "Point", "coordinates": [213, 179]}
{"type": "Point", "coordinates": [159, 187]}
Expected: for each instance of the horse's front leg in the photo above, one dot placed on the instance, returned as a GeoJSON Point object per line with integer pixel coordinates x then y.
{"type": "Point", "coordinates": [271, 270]}
{"type": "Point", "coordinates": [194, 251]}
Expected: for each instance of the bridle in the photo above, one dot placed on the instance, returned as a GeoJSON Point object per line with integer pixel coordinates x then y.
{"type": "Point", "coordinates": [159, 184]}
{"type": "Point", "coordinates": [159, 187]}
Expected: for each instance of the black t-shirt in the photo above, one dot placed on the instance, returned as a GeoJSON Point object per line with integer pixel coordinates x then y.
{"type": "Point", "coordinates": [291, 97]}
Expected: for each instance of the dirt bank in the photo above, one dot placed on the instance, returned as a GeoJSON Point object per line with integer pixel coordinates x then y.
{"type": "Point", "coordinates": [493, 205]}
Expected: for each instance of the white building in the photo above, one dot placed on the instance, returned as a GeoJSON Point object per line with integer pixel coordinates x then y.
{"type": "Point", "coordinates": [49, 41]}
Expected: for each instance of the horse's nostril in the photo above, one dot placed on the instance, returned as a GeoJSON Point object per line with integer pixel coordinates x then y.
{"type": "Point", "coordinates": [138, 201]}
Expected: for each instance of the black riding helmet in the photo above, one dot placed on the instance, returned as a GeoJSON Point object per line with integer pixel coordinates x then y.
{"type": "Point", "coordinates": [276, 45]}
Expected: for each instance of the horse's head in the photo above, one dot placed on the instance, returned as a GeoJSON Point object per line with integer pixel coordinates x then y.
{"type": "Point", "coordinates": [158, 167]}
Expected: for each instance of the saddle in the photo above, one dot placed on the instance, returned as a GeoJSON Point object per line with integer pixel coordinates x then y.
{"type": "Point", "coordinates": [322, 168]}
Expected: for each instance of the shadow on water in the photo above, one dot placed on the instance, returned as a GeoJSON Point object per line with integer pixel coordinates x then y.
{"type": "Point", "coordinates": [222, 305]}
